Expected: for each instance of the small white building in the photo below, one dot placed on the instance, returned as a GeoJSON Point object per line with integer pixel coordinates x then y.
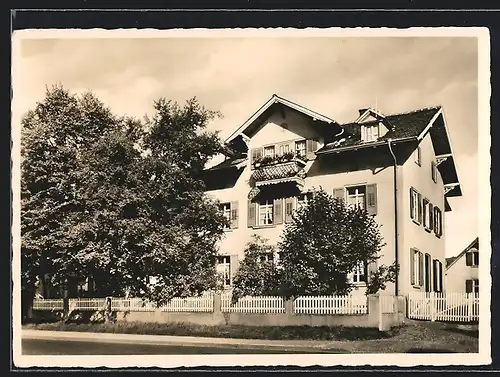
{"type": "Point", "coordinates": [461, 274]}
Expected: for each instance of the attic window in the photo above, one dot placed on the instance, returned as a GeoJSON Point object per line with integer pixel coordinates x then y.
{"type": "Point", "coordinates": [370, 133]}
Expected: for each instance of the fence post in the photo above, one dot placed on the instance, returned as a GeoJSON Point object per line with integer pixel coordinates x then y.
{"type": "Point", "coordinates": [374, 310]}
{"type": "Point", "coordinates": [108, 309]}
{"type": "Point", "coordinates": [217, 303]}
{"type": "Point", "coordinates": [469, 306]}
{"type": "Point", "coordinates": [432, 306]}
{"type": "Point", "coordinates": [289, 306]}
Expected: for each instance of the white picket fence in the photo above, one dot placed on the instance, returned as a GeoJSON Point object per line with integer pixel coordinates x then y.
{"type": "Point", "coordinates": [132, 305]}
{"type": "Point", "coordinates": [453, 307]}
{"type": "Point", "coordinates": [331, 305]}
{"type": "Point", "coordinates": [48, 304]}
{"type": "Point", "coordinates": [253, 304]}
{"type": "Point", "coordinates": [87, 304]}
{"type": "Point", "coordinates": [203, 303]}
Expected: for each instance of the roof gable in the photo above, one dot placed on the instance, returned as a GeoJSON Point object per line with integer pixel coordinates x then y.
{"type": "Point", "coordinates": [274, 103]}
{"type": "Point", "coordinates": [453, 260]}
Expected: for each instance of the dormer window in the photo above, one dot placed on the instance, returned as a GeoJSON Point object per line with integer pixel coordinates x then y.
{"type": "Point", "coordinates": [370, 132]}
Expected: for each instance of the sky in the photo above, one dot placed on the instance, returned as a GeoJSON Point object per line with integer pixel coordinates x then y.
{"type": "Point", "coordinates": [331, 75]}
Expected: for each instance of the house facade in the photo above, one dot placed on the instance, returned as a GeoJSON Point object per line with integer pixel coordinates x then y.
{"type": "Point", "coordinates": [462, 271]}
{"type": "Point", "coordinates": [398, 167]}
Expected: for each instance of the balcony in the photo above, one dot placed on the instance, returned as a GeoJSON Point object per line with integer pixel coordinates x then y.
{"type": "Point", "coordinates": [279, 169]}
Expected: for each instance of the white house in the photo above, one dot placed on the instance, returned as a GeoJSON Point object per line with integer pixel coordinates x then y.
{"type": "Point", "coordinates": [462, 275]}
{"type": "Point", "coordinates": [399, 167]}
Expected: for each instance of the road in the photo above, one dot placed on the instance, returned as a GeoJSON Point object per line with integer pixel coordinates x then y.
{"type": "Point", "coordinates": [78, 347]}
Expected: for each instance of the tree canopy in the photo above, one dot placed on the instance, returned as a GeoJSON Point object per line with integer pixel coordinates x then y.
{"type": "Point", "coordinates": [257, 274]}
{"type": "Point", "coordinates": [117, 198]}
{"type": "Point", "coordinates": [325, 242]}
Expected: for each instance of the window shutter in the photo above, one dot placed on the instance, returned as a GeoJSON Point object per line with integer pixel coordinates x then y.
{"type": "Point", "coordinates": [468, 286]}
{"type": "Point", "coordinates": [419, 204]}
{"type": "Point", "coordinates": [251, 214]}
{"type": "Point", "coordinates": [468, 259]}
{"type": "Point", "coordinates": [412, 266]}
{"type": "Point", "coordinates": [371, 199]}
{"type": "Point", "coordinates": [440, 276]}
{"type": "Point", "coordinates": [311, 146]}
{"type": "Point", "coordinates": [278, 211]}
{"type": "Point", "coordinates": [439, 223]}
{"type": "Point", "coordinates": [420, 269]}
{"type": "Point", "coordinates": [412, 204]}
{"type": "Point", "coordinates": [233, 266]}
{"type": "Point", "coordinates": [431, 216]}
{"type": "Point", "coordinates": [434, 276]}
{"type": "Point", "coordinates": [339, 193]}
{"type": "Point", "coordinates": [289, 209]}
{"type": "Point", "coordinates": [435, 215]}
{"type": "Point", "coordinates": [234, 215]}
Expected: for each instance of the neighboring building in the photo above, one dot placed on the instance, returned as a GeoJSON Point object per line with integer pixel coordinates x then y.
{"type": "Point", "coordinates": [462, 274]}
{"type": "Point", "coordinates": [261, 182]}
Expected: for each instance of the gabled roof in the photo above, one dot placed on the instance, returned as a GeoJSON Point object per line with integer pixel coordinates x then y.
{"type": "Point", "coordinates": [401, 126]}
{"type": "Point", "coordinates": [452, 260]}
{"type": "Point", "coordinates": [265, 111]}
{"type": "Point", "coordinates": [229, 163]}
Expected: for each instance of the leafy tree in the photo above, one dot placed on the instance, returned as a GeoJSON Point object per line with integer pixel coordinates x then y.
{"type": "Point", "coordinates": [325, 242]}
{"type": "Point", "coordinates": [53, 136]}
{"type": "Point", "coordinates": [118, 199]}
{"type": "Point", "coordinates": [257, 275]}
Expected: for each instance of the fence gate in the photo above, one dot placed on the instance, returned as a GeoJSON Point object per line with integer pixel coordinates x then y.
{"type": "Point", "coordinates": [434, 306]}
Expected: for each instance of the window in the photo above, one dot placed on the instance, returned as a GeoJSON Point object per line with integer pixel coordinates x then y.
{"type": "Point", "coordinates": [415, 206]}
{"type": "Point", "coordinates": [285, 148]}
{"type": "Point", "coordinates": [472, 286]}
{"type": "Point", "coordinates": [226, 211]}
{"type": "Point", "coordinates": [359, 274]}
{"type": "Point", "coordinates": [224, 269]}
{"type": "Point", "coordinates": [300, 148]}
{"type": "Point", "coordinates": [230, 212]}
{"type": "Point", "coordinates": [370, 133]}
{"type": "Point", "coordinates": [428, 215]}
{"type": "Point", "coordinates": [437, 275]}
{"type": "Point", "coordinates": [303, 198]}
{"type": "Point", "coordinates": [362, 196]}
{"type": "Point", "coordinates": [417, 155]}
{"type": "Point", "coordinates": [438, 222]}
{"type": "Point", "coordinates": [266, 257]}
{"type": "Point", "coordinates": [417, 267]}
{"type": "Point", "coordinates": [356, 196]}
{"type": "Point", "coordinates": [269, 151]}
{"type": "Point", "coordinates": [433, 171]}
{"type": "Point", "coordinates": [472, 258]}
{"type": "Point", "coordinates": [427, 275]}
{"type": "Point", "coordinates": [266, 212]}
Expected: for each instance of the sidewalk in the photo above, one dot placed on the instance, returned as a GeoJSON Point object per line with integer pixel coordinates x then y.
{"type": "Point", "coordinates": [176, 340]}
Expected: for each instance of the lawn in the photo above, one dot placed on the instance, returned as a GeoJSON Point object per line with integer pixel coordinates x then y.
{"type": "Point", "coordinates": [414, 337]}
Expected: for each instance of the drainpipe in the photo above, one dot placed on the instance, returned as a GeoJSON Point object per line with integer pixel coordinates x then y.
{"type": "Point", "coordinates": [396, 243]}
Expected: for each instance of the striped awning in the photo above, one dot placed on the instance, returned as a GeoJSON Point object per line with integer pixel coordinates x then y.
{"type": "Point", "coordinates": [297, 180]}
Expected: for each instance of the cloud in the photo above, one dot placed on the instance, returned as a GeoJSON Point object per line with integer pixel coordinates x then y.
{"type": "Point", "coordinates": [333, 76]}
